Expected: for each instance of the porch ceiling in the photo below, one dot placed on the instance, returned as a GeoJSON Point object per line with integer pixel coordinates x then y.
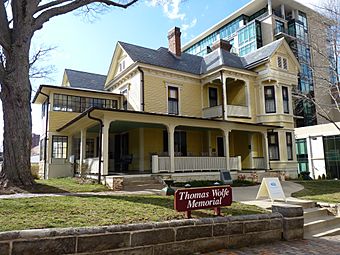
{"type": "Point", "coordinates": [121, 126]}
{"type": "Point", "coordinates": [132, 119]}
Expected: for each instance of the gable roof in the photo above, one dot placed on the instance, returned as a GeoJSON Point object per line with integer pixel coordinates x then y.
{"type": "Point", "coordinates": [85, 80]}
{"type": "Point", "coordinates": [200, 65]}
{"type": "Point", "coordinates": [162, 57]}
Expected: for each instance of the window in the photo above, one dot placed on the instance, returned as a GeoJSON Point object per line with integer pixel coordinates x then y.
{"type": "Point", "coordinates": [302, 155]}
{"type": "Point", "coordinates": [282, 63]}
{"type": "Point", "coordinates": [67, 103]}
{"type": "Point", "coordinates": [44, 109]}
{"type": "Point", "coordinates": [279, 26]}
{"type": "Point", "coordinates": [89, 148]}
{"type": "Point", "coordinates": [285, 99]}
{"type": "Point", "coordinates": [121, 65]}
{"type": "Point", "coordinates": [289, 143]}
{"type": "Point", "coordinates": [212, 97]}
{"type": "Point", "coordinates": [59, 146]}
{"type": "Point", "coordinates": [173, 100]}
{"type": "Point", "coordinates": [180, 143]}
{"type": "Point", "coordinates": [273, 146]}
{"type": "Point", "coordinates": [125, 101]}
{"type": "Point", "coordinates": [269, 97]}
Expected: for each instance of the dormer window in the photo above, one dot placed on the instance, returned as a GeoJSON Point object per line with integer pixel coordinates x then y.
{"type": "Point", "coordinates": [122, 66]}
{"type": "Point", "coordinates": [282, 63]}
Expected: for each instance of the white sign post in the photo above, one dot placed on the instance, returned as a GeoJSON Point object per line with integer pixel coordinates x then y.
{"type": "Point", "coordinates": [271, 187]}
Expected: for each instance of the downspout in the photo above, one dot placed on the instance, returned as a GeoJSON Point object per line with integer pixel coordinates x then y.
{"type": "Point", "coordinates": [45, 140]}
{"type": "Point", "coordinates": [223, 110]}
{"type": "Point", "coordinates": [142, 88]}
{"type": "Point", "coordinates": [99, 145]}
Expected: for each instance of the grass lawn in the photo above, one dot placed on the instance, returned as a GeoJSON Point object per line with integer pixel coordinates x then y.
{"type": "Point", "coordinates": [67, 185]}
{"type": "Point", "coordinates": [320, 190]}
{"type": "Point", "coordinates": [76, 211]}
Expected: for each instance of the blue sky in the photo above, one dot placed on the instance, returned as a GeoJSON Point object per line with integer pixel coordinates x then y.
{"type": "Point", "coordinates": [88, 45]}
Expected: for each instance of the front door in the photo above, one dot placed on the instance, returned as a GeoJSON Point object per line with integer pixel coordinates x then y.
{"type": "Point", "coordinates": [220, 147]}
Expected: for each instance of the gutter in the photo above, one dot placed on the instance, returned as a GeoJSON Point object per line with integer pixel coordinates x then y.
{"type": "Point", "coordinates": [46, 126]}
{"type": "Point", "coordinates": [99, 145]}
{"type": "Point", "coordinates": [142, 88]}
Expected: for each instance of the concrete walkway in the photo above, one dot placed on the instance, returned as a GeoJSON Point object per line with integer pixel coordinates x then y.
{"type": "Point", "coordinates": [240, 194]}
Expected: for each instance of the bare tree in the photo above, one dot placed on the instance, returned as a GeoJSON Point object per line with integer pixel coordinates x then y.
{"type": "Point", "coordinates": [324, 45]}
{"type": "Point", "coordinates": [19, 20]}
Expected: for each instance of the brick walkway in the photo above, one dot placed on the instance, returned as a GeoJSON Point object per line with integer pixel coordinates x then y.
{"type": "Point", "coordinates": [326, 245]}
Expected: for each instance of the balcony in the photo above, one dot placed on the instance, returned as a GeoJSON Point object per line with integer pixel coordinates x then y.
{"type": "Point", "coordinates": [237, 111]}
{"type": "Point", "coordinates": [280, 32]}
{"type": "Point", "coordinates": [232, 111]}
{"type": "Point", "coordinates": [213, 112]}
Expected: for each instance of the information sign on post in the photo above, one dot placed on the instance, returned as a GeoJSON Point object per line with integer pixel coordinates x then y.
{"type": "Point", "coordinates": [187, 200]}
{"type": "Point", "coordinates": [271, 188]}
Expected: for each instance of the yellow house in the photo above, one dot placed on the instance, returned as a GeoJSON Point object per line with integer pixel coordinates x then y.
{"type": "Point", "coordinates": [166, 112]}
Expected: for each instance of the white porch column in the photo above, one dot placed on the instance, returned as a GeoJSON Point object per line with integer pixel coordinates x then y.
{"type": "Point", "coordinates": [224, 92]}
{"type": "Point", "coordinates": [105, 147]}
{"type": "Point", "coordinates": [265, 149]}
{"type": "Point", "coordinates": [82, 150]}
{"type": "Point", "coordinates": [171, 146]}
{"type": "Point", "coordinates": [141, 150]}
{"type": "Point", "coordinates": [247, 92]}
{"type": "Point", "coordinates": [226, 147]}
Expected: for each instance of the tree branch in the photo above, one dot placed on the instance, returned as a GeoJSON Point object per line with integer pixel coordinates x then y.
{"type": "Point", "coordinates": [59, 10]}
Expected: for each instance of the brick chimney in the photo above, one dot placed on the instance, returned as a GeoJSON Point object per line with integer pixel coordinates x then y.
{"type": "Point", "coordinates": [221, 44]}
{"type": "Point", "coordinates": [174, 39]}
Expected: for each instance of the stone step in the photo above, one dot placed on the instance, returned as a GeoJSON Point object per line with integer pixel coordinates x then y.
{"type": "Point", "coordinates": [304, 203]}
{"type": "Point", "coordinates": [329, 232]}
{"type": "Point", "coordinates": [315, 212]}
{"type": "Point", "coordinates": [315, 225]}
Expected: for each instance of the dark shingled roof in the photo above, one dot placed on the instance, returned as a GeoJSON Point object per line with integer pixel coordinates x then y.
{"type": "Point", "coordinates": [85, 80]}
{"type": "Point", "coordinates": [162, 57]}
{"type": "Point", "coordinates": [255, 57]}
{"type": "Point", "coordinates": [220, 57]}
{"type": "Point", "coordinates": [195, 64]}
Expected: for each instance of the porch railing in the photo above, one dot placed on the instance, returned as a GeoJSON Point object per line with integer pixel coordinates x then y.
{"type": "Point", "coordinates": [213, 112]}
{"type": "Point", "coordinates": [190, 164]}
{"type": "Point", "coordinates": [237, 111]}
{"type": "Point", "coordinates": [259, 163]}
{"type": "Point", "coordinates": [235, 163]}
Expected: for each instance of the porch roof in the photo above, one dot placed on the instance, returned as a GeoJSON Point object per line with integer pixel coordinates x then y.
{"type": "Point", "coordinates": [84, 120]}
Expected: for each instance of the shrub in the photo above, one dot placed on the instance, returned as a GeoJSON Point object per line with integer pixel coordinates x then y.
{"type": "Point", "coordinates": [323, 176]}
{"type": "Point", "coordinates": [35, 170]}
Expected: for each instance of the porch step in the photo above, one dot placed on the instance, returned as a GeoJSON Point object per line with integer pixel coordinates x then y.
{"type": "Point", "coordinates": [312, 213]}
{"type": "Point", "coordinates": [321, 226]}
{"type": "Point", "coordinates": [141, 182]}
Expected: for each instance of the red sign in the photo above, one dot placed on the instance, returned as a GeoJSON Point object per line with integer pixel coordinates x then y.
{"type": "Point", "coordinates": [202, 198]}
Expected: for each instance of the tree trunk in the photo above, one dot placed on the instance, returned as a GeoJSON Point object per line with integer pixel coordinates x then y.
{"type": "Point", "coordinates": [16, 101]}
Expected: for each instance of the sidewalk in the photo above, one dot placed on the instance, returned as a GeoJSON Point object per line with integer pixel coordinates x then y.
{"type": "Point", "coordinates": [326, 245]}
{"type": "Point", "coordinates": [240, 194]}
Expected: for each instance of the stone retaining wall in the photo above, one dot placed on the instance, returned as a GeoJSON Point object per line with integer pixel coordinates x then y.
{"type": "Point", "coordinates": [171, 237]}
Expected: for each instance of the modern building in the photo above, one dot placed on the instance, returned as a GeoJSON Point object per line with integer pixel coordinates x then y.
{"type": "Point", "coordinates": [167, 112]}
{"type": "Point", "coordinates": [318, 150]}
{"type": "Point", "coordinates": [259, 23]}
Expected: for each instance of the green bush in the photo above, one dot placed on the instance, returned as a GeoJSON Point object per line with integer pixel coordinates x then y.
{"type": "Point", "coordinates": [35, 170]}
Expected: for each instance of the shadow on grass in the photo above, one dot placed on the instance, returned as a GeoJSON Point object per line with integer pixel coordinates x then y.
{"type": "Point", "coordinates": [39, 188]}
{"type": "Point", "coordinates": [168, 203]}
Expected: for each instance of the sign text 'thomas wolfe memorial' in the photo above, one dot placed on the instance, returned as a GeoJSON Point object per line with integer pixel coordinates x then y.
{"type": "Point", "coordinates": [202, 198]}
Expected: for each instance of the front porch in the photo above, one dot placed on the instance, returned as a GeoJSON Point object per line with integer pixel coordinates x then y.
{"type": "Point", "coordinates": [142, 146]}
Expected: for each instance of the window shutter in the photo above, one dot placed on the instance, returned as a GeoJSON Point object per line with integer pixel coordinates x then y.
{"type": "Point", "coordinates": [279, 62]}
